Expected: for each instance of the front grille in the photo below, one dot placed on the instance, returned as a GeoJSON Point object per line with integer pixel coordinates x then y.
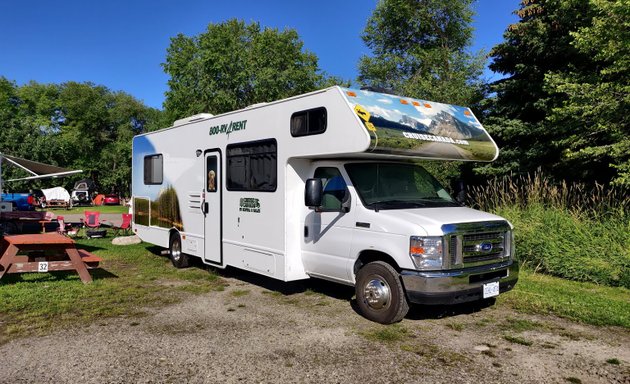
{"type": "Point", "coordinates": [477, 243]}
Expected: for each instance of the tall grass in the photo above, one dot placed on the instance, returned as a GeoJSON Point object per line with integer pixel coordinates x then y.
{"type": "Point", "coordinates": [568, 230]}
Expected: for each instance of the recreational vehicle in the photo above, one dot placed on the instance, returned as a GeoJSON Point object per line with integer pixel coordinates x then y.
{"type": "Point", "coordinates": [326, 185]}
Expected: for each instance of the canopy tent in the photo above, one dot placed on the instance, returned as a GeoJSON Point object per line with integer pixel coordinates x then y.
{"type": "Point", "coordinates": [35, 169]}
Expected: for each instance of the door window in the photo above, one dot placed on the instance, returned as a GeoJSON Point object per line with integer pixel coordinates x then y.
{"type": "Point", "coordinates": [212, 175]}
{"type": "Point", "coordinates": [335, 188]}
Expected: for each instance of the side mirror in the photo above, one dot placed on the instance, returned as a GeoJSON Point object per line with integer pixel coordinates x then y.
{"type": "Point", "coordinates": [459, 187]}
{"type": "Point", "coordinates": [313, 193]}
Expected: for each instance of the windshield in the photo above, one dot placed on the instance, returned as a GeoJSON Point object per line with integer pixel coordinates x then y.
{"type": "Point", "coordinates": [397, 186]}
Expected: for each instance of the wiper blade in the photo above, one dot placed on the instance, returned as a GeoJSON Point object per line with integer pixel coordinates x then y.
{"type": "Point", "coordinates": [396, 202]}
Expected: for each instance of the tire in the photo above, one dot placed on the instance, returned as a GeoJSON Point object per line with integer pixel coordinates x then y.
{"type": "Point", "coordinates": [380, 294]}
{"type": "Point", "coordinates": [178, 258]}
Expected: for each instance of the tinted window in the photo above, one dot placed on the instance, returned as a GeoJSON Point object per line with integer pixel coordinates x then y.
{"type": "Point", "coordinates": [153, 169]}
{"type": "Point", "coordinates": [252, 166]}
{"type": "Point", "coordinates": [310, 122]}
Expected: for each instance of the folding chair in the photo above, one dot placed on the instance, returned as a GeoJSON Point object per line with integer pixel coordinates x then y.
{"type": "Point", "coordinates": [92, 225]}
{"type": "Point", "coordinates": [125, 227]}
{"type": "Point", "coordinates": [66, 229]}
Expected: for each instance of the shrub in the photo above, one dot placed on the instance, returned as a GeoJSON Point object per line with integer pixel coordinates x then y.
{"type": "Point", "coordinates": [570, 231]}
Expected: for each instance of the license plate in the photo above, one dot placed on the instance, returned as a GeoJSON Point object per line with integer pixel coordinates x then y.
{"type": "Point", "coordinates": [491, 289]}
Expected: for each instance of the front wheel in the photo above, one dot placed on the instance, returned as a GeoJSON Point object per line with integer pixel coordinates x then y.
{"type": "Point", "coordinates": [380, 293]}
{"type": "Point", "coordinates": [178, 258]}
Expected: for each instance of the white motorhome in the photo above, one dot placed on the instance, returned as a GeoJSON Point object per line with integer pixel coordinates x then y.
{"type": "Point", "coordinates": [324, 185]}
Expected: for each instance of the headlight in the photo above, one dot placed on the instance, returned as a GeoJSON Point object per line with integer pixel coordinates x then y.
{"type": "Point", "coordinates": [426, 252]}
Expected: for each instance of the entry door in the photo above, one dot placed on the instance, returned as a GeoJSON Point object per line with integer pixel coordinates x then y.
{"type": "Point", "coordinates": [213, 231]}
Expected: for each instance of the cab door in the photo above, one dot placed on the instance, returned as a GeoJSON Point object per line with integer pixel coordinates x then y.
{"type": "Point", "coordinates": [328, 231]}
{"type": "Point", "coordinates": [211, 206]}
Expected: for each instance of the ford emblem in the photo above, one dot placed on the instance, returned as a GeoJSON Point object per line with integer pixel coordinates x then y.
{"type": "Point", "coordinates": [485, 247]}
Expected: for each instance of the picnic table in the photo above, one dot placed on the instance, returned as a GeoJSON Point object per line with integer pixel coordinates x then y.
{"type": "Point", "coordinates": [45, 252]}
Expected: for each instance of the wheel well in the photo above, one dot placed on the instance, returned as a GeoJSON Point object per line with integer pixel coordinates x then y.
{"type": "Point", "coordinates": [369, 256]}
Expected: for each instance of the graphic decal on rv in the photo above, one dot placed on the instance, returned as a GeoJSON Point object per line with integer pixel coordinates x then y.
{"type": "Point", "coordinates": [228, 128]}
{"type": "Point", "coordinates": [155, 204]}
{"type": "Point", "coordinates": [163, 212]}
{"type": "Point", "coordinates": [249, 204]}
{"type": "Point", "coordinates": [403, 125]}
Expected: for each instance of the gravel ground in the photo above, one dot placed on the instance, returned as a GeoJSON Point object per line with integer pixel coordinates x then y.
{"type": "Point", "coordinates": [311, 333]}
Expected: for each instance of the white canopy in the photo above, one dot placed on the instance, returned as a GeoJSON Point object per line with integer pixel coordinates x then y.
{"type": "Point", "coordinates": [56, 193]}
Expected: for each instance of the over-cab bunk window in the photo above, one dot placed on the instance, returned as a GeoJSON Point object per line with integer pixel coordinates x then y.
{"type": "Point", "coordinates": [153, 170]}
{"type": "Point", "coordinates": [252, 166]}
{"type": "Point", "coordinates": [309, 122]}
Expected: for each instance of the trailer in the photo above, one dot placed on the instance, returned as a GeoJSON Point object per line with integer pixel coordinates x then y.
{"type": "Point", "coordinates": [326, 185]}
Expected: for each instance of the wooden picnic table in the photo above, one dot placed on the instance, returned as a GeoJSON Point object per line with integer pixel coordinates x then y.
{"type": "Point", "coordinates": [45, 252]}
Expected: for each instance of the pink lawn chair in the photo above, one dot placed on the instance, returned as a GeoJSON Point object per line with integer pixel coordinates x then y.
{"type": "Point", "coordinates": [125, 227]}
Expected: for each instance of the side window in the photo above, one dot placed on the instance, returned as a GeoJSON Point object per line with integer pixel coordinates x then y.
{"type": "Point", "coordinates": [252, 166]}
{"type": "Point", "coordinates": [309, 122]}
{"type": "Point", "coordinates": [334, 188]}
{"type": "Point", "coordinates": [212, 176]}
{"type": "Point", "coordinates": [153, 170]}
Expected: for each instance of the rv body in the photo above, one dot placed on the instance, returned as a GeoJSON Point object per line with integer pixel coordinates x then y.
{"type": "Point", "coordinates": [324, 185]}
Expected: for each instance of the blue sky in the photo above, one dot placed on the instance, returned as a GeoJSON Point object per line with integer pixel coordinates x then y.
{"type": "Point", "coordinates": [121, 44]}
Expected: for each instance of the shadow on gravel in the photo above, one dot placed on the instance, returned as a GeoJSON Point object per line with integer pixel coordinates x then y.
{"type": "Point", "coordinates": [424, 312]}
{"type": "Point", "coordinates": [331, 289]}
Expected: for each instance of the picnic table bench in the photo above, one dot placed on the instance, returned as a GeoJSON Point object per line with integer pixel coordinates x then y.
{"type": "Point", "coordinates": [45, 252]}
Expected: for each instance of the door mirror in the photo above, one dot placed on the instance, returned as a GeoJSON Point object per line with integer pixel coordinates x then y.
{"type": "Point", "coordinates": [313, 193]}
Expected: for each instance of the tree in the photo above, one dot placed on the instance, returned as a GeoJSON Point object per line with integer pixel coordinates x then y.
{"type": "Point", "coordinates": [531, 113]}
{"type": "Point", "coordinates": [597, 102]}
{"type": "Point", "coordinates": [73, 125]}
{"type": "Point", "coordinates": [233, 64]}
{"type": "Point", "coordinates": [420, 50]}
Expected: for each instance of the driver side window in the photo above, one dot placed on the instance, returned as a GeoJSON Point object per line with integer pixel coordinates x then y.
{"type": "Point", "coordinates": [334, 188]}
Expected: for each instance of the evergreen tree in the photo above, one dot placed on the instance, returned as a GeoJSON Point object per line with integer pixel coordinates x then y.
{"type": "Point", "coordinates": [556, 109]}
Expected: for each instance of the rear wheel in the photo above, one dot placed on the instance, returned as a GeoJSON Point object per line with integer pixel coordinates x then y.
{"type": "Point", "coordinates": [178, 258]}
{"type": "Point", "coordinates": [380, 293]}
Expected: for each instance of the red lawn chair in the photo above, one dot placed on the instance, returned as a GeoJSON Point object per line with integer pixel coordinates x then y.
{"type": "Point", "coordinates": [66, 229]}
{"type": "Point", "coordinates": [125, 227]}
{"type": "Point", "coordinates": [92, 225]}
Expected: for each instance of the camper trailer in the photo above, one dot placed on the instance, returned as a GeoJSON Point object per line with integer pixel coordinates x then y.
{"type": "Point", "coordinates": [326, 185]}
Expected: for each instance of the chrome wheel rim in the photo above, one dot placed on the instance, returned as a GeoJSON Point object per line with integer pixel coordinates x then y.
{"type": "Point", "coordinates": [176, 249]}
{"type": "Point", "coordinates": [377, 293]}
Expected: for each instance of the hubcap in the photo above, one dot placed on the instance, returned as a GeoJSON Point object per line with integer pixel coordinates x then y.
{"type": "Point", "coordinates": [176, 249]}
{"type": "Point", "coordinates": [377, 293]}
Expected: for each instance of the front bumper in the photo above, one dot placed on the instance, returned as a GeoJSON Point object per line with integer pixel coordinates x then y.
{"type": "Point", "coordinates": [457, 286]}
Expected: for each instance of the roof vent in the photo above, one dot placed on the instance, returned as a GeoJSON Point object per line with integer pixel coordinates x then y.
{"type": "Point", "coordinates": [192, 119]}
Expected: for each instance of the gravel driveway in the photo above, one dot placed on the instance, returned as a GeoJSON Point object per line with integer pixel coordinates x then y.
{"type": "Point", "coordinates": [251, 332]}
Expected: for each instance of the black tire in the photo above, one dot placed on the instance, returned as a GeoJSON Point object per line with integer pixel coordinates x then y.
{"type": "Point", "coordinates": [380, 294]}
{"type": "Point", "coordinates": [178, 258]}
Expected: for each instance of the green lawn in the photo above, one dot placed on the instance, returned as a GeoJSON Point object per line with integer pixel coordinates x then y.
{"type": "Point", "coordinates": [132, 278]}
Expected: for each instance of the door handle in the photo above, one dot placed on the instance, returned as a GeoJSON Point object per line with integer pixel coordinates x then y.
{"type": "Point", "coordinates": [205, 207]}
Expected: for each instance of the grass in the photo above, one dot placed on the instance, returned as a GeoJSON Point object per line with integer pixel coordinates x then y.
{"type": "Point", "coordinates": [572, 231]}
{"type": "Point", "coordinates": [132, 278]}
{"type": "Point", "coordinates": [386, 333]}
{"type": "Point", "coordinates": [583, 302]}
{"type": "Point", "coordinates": [517, 340]}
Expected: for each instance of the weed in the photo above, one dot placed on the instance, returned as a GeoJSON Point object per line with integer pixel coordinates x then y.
{"type": "Point", "coordinates": [240, 292]}
{"type": "Point", "coordinates": [614, 361]}
{"type": "Point", "coordinates": [520, 325]}
{"type": "Point", "coordinates": [517, 340]}
{"type": "Point", "coordinates": [455, 326]}
{"type": "Point", "coordinates": [489, 353]}
{"type": "Point", "coordinates": [241, 305]}
{"type": "Point", "coordinates": [387, 334]}
{"type": "Point", "coordinates": [573, 380]}
{"type": "Point", "coordinates": [571, 231]}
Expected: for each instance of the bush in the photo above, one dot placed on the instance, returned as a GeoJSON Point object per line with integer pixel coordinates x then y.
{"type": "Point", "coordinates": [572, 231]}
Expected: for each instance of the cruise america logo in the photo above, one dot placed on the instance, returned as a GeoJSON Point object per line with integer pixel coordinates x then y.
{"type": "Point", "coordinates": [228, 128]}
